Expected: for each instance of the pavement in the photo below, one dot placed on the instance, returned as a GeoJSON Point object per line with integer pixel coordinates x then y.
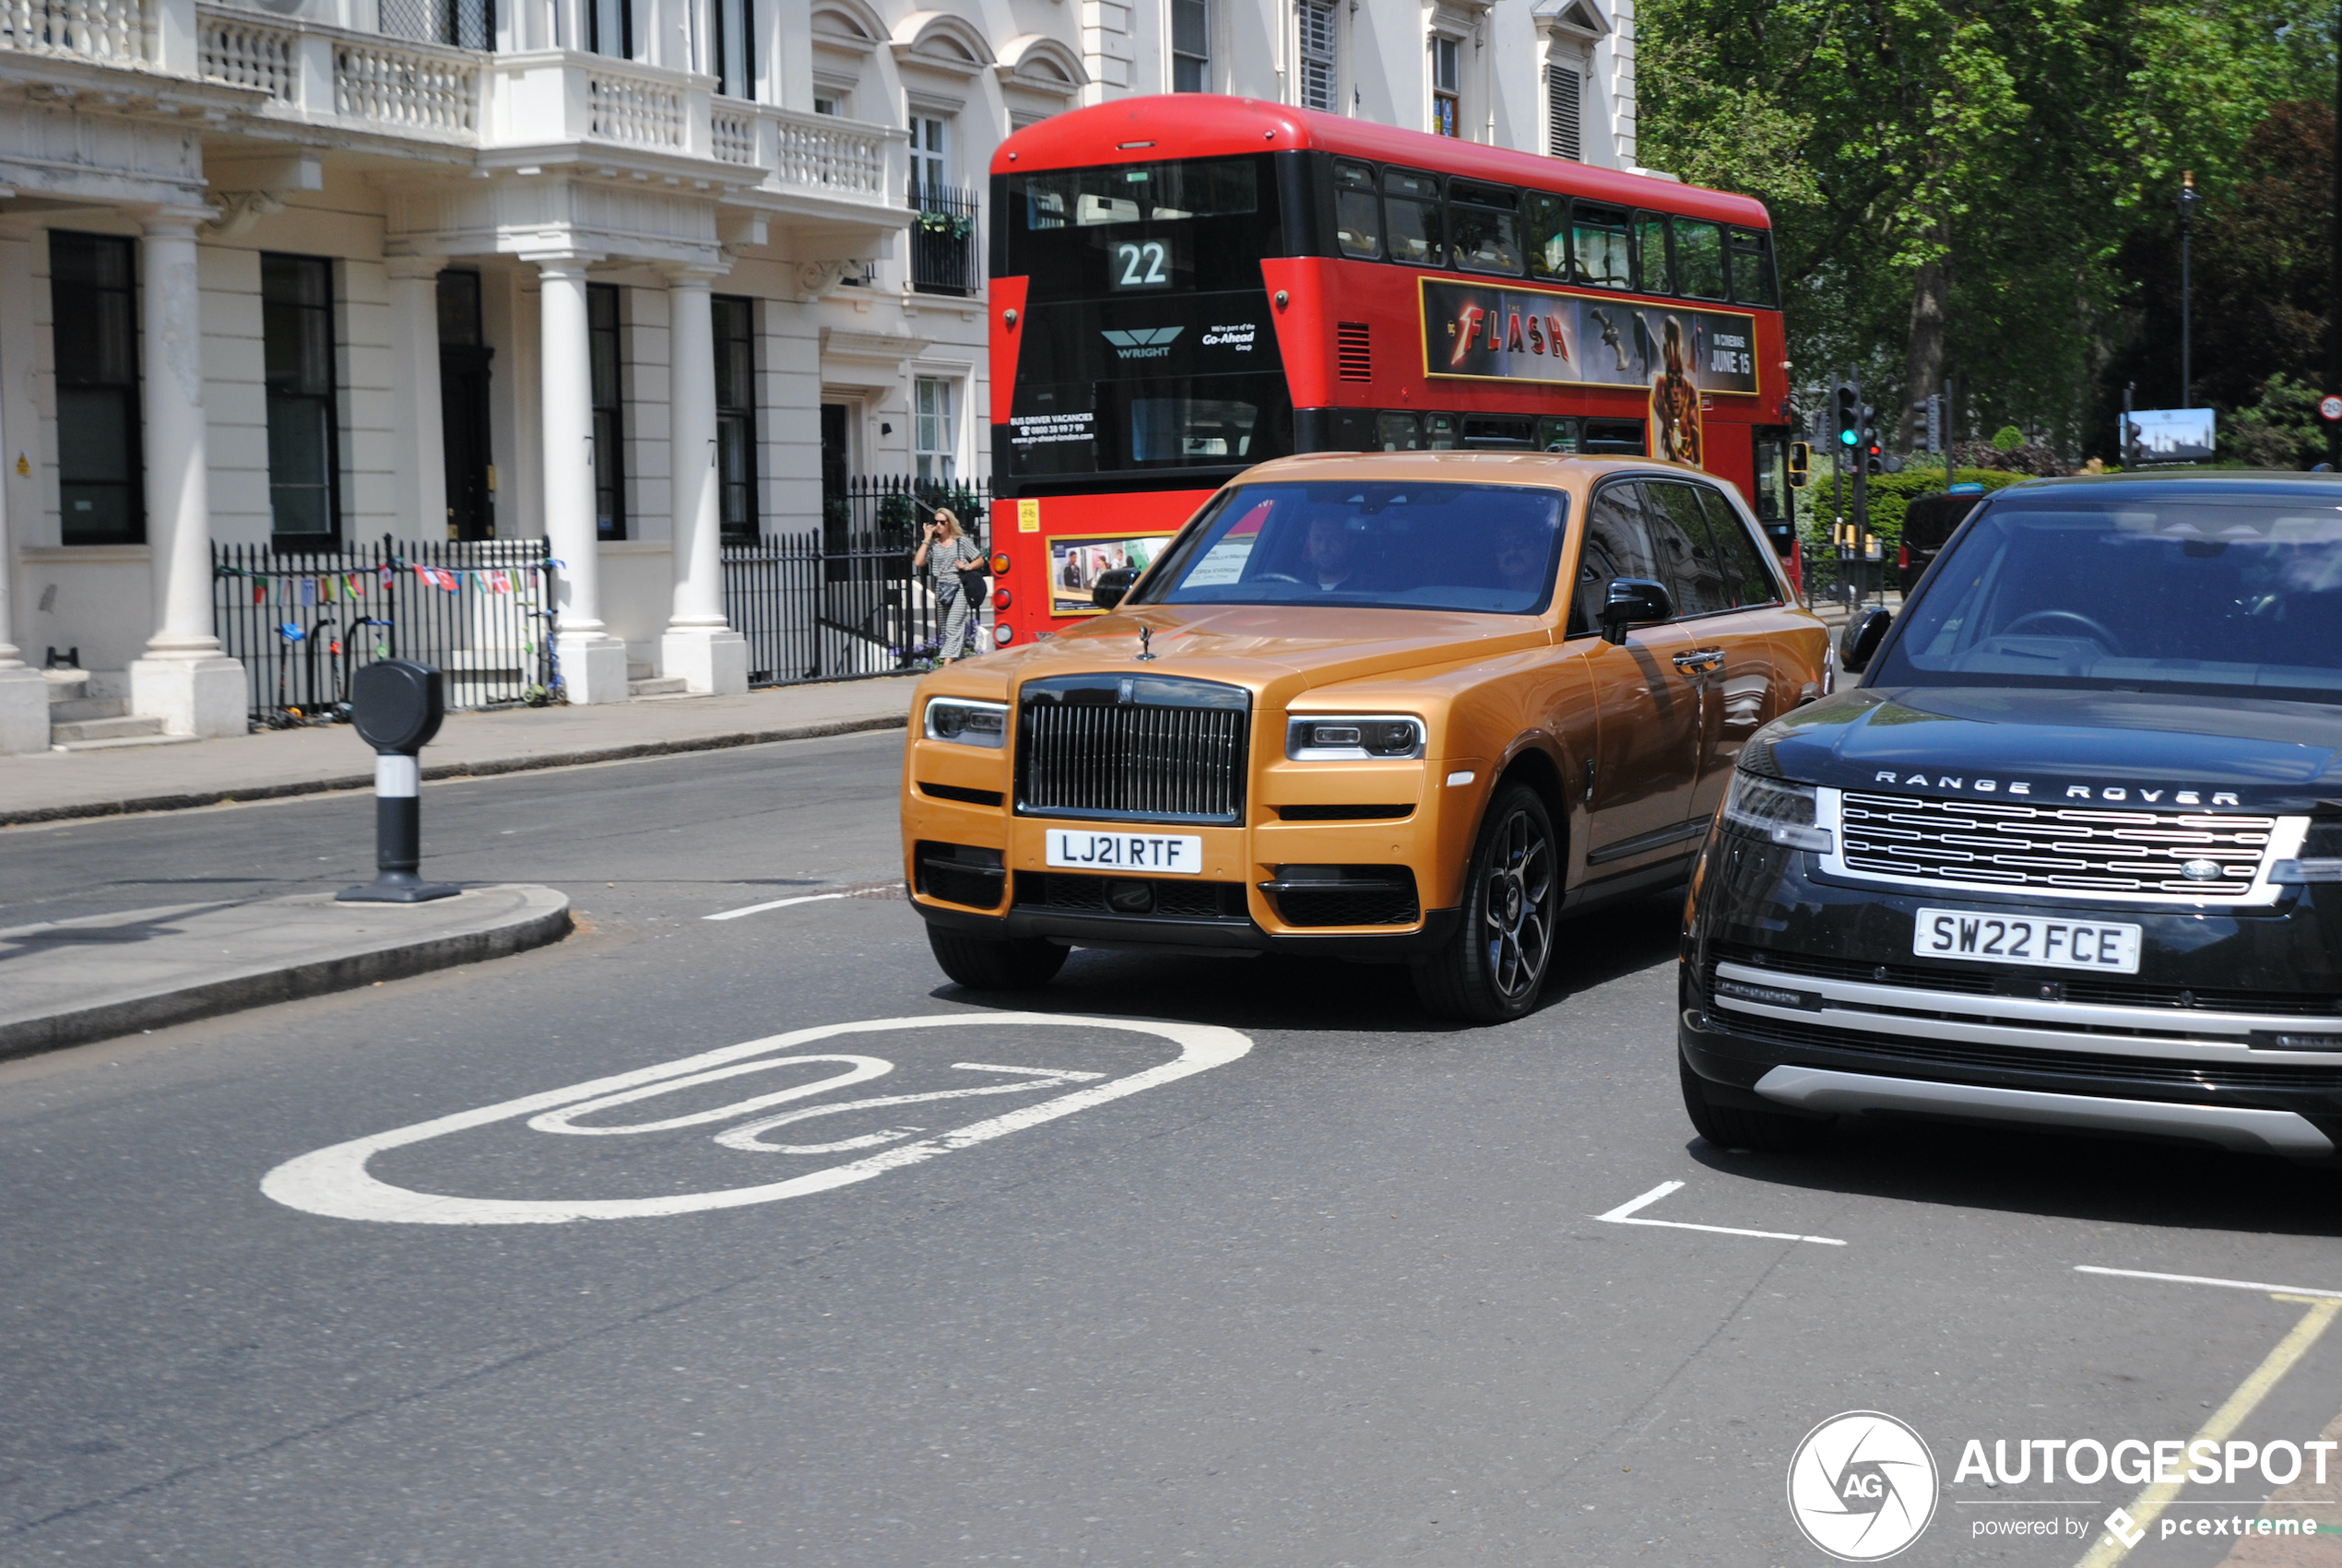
{"type": "Point", "coordinates": [52, 785]}
{"type": "Point", "coordinates": [1374, 1290]}
{"type": "Point", "coordinates": [64, 981]}
{"type": "Point", "coordinates": [72, 981]}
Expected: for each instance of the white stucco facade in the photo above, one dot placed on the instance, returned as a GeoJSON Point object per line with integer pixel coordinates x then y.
{"type": "Point", "coordinates": [780, 152]}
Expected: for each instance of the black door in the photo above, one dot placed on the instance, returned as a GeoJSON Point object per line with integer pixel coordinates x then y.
{"type": "Point", "coordinates": [463, 408]}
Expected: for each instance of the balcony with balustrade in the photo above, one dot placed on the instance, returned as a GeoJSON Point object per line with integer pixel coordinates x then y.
{"type": "Point", "coordinates": [534, 110]}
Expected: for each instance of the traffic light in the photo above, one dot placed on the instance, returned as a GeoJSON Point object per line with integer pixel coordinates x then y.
{"type": "Point", "coordinates": [1847, 403]}
{"type": "Point", "coordinates": [1873, 455]}
{"type": "Point", "coordinates": [1800, 465]}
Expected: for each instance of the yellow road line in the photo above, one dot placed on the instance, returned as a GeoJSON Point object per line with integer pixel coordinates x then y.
{"type": "Point", "coordinates": [2225, 1420]}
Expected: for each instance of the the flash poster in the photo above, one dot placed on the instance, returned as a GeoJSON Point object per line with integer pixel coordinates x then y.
{"type": "Point", "coordinates": [1485, 332]}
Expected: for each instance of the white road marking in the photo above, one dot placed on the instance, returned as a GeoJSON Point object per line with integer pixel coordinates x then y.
{"type": "Point", "coordinates": [1624, 1215]}
{"type": "Point", "coordinates": [334, 1183]}
{"type": "Point", "coordinates": [2207, 1279]}
{"type": "Point", "coordinates": [776, 904]}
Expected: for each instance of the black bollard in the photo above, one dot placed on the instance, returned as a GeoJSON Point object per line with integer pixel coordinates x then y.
{"type": "Point", "coordinates": [398, 705]}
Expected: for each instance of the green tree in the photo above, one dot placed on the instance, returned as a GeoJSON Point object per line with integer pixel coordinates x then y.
{"type": "Point", "coordinates": [1952, 182]}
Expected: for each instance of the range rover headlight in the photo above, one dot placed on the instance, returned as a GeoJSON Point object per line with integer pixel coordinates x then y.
{"type": "Point", "coordinates": [1378, 737]}
{"type": "Point", "coordinates": [1777, 809]}
{"type": "Point", "coordinates": [965, 722]}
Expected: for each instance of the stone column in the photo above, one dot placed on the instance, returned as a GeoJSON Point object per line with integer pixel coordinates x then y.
{"type": "Point", "coordinates": [24, 692]}
{"type": "Point", "coordinates": [592, 663]}
{"type": "Point", "coordinates": [419, 445]}
{"type": "Point", "coordinates": [185, 679]}
{"type": "Point", "coordinates": [700, 644]}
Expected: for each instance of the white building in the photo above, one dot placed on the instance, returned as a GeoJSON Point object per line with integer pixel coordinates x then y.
{"type": "Point", "coordinates": [629, 275]}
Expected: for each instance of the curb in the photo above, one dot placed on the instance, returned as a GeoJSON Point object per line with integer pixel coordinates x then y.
{"type": "Point", "coordinates": [487, 768]}
{"type": "Point", "coordinates": [27, 1037]}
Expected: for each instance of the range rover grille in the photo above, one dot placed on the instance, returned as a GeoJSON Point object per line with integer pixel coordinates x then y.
{"type": "Point", "coordinates": [1133, 748]}
{"type": "Point", "coordinates": [2081, 850]}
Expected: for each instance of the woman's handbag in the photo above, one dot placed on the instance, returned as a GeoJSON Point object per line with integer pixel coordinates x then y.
{"type": "Point", "coordinates": [975, 582]}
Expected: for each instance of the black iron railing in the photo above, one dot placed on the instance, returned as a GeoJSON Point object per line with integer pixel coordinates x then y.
{"type": "Point", "coordinates": [843, 601]}
{"type": "Point", "coordinates": [302, 624]}
{"type": "Point", "coordinates": [944, 254]}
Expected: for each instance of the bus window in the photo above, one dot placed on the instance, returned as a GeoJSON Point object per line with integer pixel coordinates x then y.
{"type": "Point", "coordinates": [1398, 433]}
{"type": "Point", "coordinates": [1753, 268]}
{"type": "Point", "coordinates": [1598, 246]}
{"type": "Point", "coordinates": [1548, 236]}
{"type": "Point", "coordinates": [1699, 259]}
{"type": "Point", "coordinates": [1357, 222]}
{"type": "Point", "coordinates": [1485, 223]}
{"type": "Point", "coordinates": [1615, 438]}
{"type": "Point", "coordinates": [1411, 210]}
{"type": "Point", "coordinates": [1497, 432]}
{"type": "Point", "coordinates": [1650, 250]}
{"type": "Point", "coordinates": [1440, 431]}
{"type": "Point", "coordinates": [1556, 435]}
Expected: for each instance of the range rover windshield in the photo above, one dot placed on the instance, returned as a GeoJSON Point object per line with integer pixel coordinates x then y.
{"type": "Point", "coordinates": [1452, 547]}
{"type": "Point", "coordinates": [2239, 596]}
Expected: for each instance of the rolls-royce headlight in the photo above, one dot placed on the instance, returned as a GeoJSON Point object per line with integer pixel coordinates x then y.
{"type": "Point", "coordinates": [1373, 737]}
{"type": "Point", "coordinates": [1777, 809]}
{"type": "Point", "coordinates": [965, 722]}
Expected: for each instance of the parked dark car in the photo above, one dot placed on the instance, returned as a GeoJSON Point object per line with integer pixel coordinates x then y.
{"type": "Point", "coordinates": [1928, 522]}
{"type": "Point", "coordinates": [2072, 854]}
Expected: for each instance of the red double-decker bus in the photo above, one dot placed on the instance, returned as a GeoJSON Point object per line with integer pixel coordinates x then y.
{"type": "Point", "coordinates": [1184, 286]}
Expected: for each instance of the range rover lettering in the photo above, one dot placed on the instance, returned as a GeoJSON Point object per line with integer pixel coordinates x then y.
{"type": "Point", "coordinates": [2072, 854]}
{"type": "Point", "coordinates": [1410, 707]}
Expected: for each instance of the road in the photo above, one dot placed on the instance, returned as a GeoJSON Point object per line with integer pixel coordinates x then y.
{"type": "Point", "coordinates": [1303, 1278]}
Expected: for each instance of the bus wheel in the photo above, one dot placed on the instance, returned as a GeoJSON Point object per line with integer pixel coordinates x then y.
{"type": "Point", "coordinates": [984, 963]}
{"type": "Point", "coordinates": [1492, 969]}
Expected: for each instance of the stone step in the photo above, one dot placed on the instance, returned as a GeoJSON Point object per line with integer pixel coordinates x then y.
{"type": "Point", "coordinates": [66, 685]}
{"type": "Point", "coordinates": [120, 728]}
{"type": "Point", "coordinates": [123, 742]}
{"type": "Point", "coordinates": [659, 686]}
{"type": "Point", "coordinates": [67, 710]}
{"type": "Point", "coordinates": [639, 672]}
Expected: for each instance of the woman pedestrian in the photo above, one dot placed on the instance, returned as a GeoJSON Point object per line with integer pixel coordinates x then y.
{"type": "Point", "coordinates": [944, 552]}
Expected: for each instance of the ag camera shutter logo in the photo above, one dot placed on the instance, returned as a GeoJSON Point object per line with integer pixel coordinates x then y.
{"type": "Point", "coordinates": [1862, 1486]}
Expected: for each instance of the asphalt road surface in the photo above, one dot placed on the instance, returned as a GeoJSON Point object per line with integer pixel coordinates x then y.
{"type": "Point", "coordinates": [546, 1272]}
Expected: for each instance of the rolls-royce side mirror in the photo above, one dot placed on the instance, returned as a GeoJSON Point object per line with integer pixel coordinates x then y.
{"type": "Point", "coordinates": [1108, 590]}
{"type": "Point", "coordinates": [1861, 641]}
{"type": "Point", "coordinates": [1634, 601]}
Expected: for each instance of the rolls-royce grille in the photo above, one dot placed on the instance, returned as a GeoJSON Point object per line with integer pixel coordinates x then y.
{"type": "Point", "coordinates": [1085, 748]}
{"type": "Point", "coordinates": [2180, 854]}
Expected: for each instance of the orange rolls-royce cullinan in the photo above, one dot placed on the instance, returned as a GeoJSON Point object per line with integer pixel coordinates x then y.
{"type": "Point", "coordinates": [1405, 706]}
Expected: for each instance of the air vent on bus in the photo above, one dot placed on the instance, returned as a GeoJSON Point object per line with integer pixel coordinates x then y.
{"type": "Point", "coordinates": [1350, 351]}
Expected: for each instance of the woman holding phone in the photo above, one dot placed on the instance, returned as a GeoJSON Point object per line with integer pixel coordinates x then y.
{"type": "Point", "coordinates": [945, 551]}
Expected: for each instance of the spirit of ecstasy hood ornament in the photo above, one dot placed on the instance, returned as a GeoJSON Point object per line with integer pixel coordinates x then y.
{"type": "Point", "coordinates": [1146, 643]}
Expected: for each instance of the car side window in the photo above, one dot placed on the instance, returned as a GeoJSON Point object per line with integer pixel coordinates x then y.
{"type": "Point", "coordinates": [1617, 545]}
{"type": "Point", "coordinates": [1685, 549]}
{"type": "Point", "coordinates": [1747, 580]}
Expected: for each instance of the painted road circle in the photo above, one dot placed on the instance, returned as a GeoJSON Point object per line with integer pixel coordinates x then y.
{"type": "Point", "coordinates": [1862, 1486]}
{"type": "Point", "coordinates": [334, 1182]}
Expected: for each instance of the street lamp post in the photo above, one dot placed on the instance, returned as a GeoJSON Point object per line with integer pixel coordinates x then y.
{"type": "Point", "coordinates": [2188, 198]}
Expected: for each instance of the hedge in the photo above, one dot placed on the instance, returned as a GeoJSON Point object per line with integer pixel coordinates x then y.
{"type": "Point", "coordinates": [1889, 493]}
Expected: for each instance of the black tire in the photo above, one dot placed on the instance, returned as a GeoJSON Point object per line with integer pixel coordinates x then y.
{"type": "Point", "coordinates": [1493, 967]}
{"type": "Point", "coordinates": [986, 964]}
{"type": "Point", "coordinates": [1734, 1126]}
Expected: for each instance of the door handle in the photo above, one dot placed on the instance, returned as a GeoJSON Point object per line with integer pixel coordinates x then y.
{"type": "Point", "coordinates": [1700, 661]}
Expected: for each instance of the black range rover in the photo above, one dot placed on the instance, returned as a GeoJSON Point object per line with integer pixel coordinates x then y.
{"type": "Point", "coordinates": [2072, 854]}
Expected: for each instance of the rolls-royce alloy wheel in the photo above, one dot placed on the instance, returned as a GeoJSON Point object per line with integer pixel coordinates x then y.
{"type": "Point", "coordinates": [1492, 969]}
